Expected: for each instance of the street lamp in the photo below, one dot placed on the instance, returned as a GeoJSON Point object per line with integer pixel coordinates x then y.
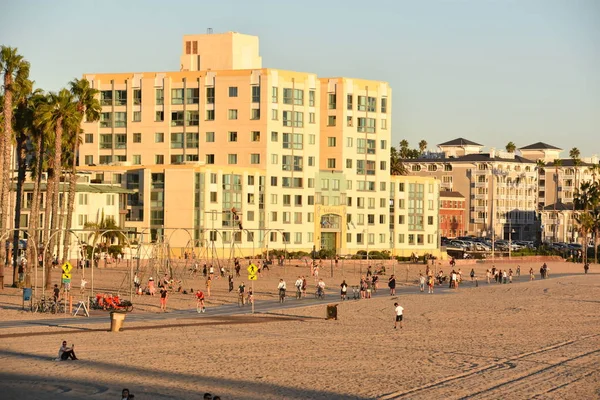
{"type": "Point", "coordinates": [510, 233]}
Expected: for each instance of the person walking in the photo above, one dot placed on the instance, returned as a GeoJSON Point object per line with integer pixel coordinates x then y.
{"type": "Point", "coordinates": [392, 285]}
{"type": "Point", "coordinates": [164, 293]}
{"type": "Point", "coordinates": [421, 282]}
{"type": "Point", "coordinates": [430, 284]}
{"type": "Point", "coordinates": [208, 284]}
{"type": "Point", "coordinates": [531, 274]}
{"type": "Point", "coordinates": [344, 290]}
{"type": "Point", "coordinates": [399, 310]}
{"type": "Point", "coordinates": [200, 301]}
{"type": "Point", "coordinates": [472, 274]}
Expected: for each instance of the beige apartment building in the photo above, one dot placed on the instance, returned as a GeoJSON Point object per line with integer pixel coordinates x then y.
{"type": "Point", "coordinates": [93, 203]}
{"type": "Point", "coordinates": [508, 194]}
{"type": "Point", "coordinates": [229, 156]}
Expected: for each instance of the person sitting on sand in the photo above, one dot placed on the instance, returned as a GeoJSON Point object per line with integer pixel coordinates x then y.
{"type": "Point", "coordinates": [64, 352]}
{"type": "Point", "coordinates": [125, 395]}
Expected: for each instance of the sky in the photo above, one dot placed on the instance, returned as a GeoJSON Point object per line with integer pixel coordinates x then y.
{"type": "Point", "coordinates": [490, 71]}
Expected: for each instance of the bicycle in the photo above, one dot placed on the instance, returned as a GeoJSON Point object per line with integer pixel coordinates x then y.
{"type": "Point", "coordinates": [241, 299]}
{"type": "Point", "coordinates": [298, 292]}
{"type": "Point", "coordinates": [281, 295]}
{"type": "Point", "coordinates": [319, 294]}
{"type": "Point", "coordinates": [250, 299]}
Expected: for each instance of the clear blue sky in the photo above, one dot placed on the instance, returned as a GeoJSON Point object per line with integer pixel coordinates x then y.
{"type": "Point", "coordinates": [489, 71]}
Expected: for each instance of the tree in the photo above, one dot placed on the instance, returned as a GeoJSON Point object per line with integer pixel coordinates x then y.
{"type": "Point", "coordinates": [89, 107]}
{"type": "Point", "coordinates": [59, 114]}
{"type": "Point", "coordinates": [595, 214]}
{"type": "Point", "coordinates": [397, 167]}
{"type": "Point", "coordinates": [422, 146]}
{"type": "Point", "coordinates": [557, 163]}
{"type": "Point", "coordinates": [23, 123]}
{"type": "Point", "coordinates": [104, 231]}
{"type": "Point", "coordinates": [586, 225]}
{"type": "Point", "coordinates": [404, 150]}
{"type": "Point", "coordinates": [574, 153]}
{"type": "Point", "coordinates": [511, 147]}
{"type": "Point", "coordinates": [15, 70]}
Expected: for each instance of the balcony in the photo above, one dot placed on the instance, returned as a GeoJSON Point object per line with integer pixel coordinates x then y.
{"type": "Point", "coordinates": [480, 184]}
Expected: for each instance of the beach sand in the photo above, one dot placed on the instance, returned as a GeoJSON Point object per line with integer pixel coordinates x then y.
{"type": "Point", "coordinates": [509, 341]}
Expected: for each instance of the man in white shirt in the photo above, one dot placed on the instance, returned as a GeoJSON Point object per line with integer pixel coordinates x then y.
{"type": "Point", "coordinates": [399, 311]}
{"type": "Point", "coordinates": [321, 286]}
{"type": "Point", "coordinates": [281, 285]}
{"type": "Point", "coordinates": [298, 285]}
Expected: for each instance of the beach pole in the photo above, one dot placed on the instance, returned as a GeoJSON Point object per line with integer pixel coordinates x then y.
{"type": "Point", "coordinates": [253, 297]}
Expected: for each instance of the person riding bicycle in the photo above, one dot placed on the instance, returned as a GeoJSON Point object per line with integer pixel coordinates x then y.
{"type": "Point", "coordinates": [298, 286]}
{"type": "Point", "coordinates": [320, 287]}
{"type": "Point", "coordinates": [241, 292]}
{"type": "Point", "coordinates": [282, 287]}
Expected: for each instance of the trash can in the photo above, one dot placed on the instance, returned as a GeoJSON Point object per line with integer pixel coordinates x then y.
{"type": "Point", "coordinates": [26, 294]}
{"type": "Point", "coordinates": [332, 311]}
{"type": "Point", "coordinates": [116, 321]}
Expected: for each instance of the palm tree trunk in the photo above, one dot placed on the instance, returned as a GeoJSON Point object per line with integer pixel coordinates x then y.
{"type": "Point", "coordinates": [34, 216]}
{"type": "Point", "coordinates": [71, 202]}
{"type": "Point", "coordinates": [56, 184]}
{"type": "Point", "coordinates": [22, 168]}
{"type": "Point", "coordinates": [61, 219]}
{"type": "Point", "coordinates": [596, 233]}
{"type": "Point", "coordinates": [5, 149]}
{"type": "Point", "coordinates": [46, 230]}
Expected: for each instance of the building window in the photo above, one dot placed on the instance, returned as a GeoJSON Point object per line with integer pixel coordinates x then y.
{"type": "Point", "coordinates": [232, 159]}
{"type": "Point", "coordinates": [366, 125]}
{"type": "Point", "coordinates": [176, 96]}
{"type": "Point", "coordinates": [89, 160]}
{"type": "Point", "coordinates": [349, 102]}
{"type": "Point", "coordinates": [210, 159]}
{"type": "Point", "coordinates": [255, 113]}
{"type": "Point", "coordinates": [120, 97]}
{"type": "Point", "coordinates": [274, 94]}
{"type": "Point", "coordinates": [311, 117]}
{"type": "Point", "coordinates": [430, 220]}
{"type": "Point", "coordinates": [256, 94]}
{"type": "Point", "coordinates": [255, 136]}
{"type": "Point", "coordinates": [274, 115]}
{"type": "Point", "coordinates": [384, 124]}
{"type": "Point", "coordinates": [210, 137]}
{"type": "Point", "coordinates": [137, 159]}
{"type": "Point", "coordinates": [120, 141]}
{"type": "Point", "coordinates": [192, 118]}
{"type": "Point", "coordinates": [331, 120]}
{"type": "Point", "coordinates": [254, 158]}
{"type": "Point", "coordinates": [273, 181]}
{"type": "Point", "coordinates": [177, 118]}
{"type": "Point", "coordinates": [233, 91]}
{"type": "Point", "coordinates": [331, 141]}
{"type": "Point", "coordinates": [159, 159]}
{"type": "Point", "coordinates": [332, 103]}
{"type": "Point", "coordinates": [191, 140]}
{"type": "Point", "coordinates": [232, 114]}
{"type": "Point", "coordinates": [192, 96]}
{"type": "Point", "coordinates": [210, 115]}
{"type": "Point", "coordinates": [137, 138]}
{"type": "Point", "coordinates": [159, 116]}
{"type": "Point", "coordinates": [311, 98]}
{"type": "Point", "coordinates": [160, 97]}
{"type": "Point", "coordinates": [384, 105]}
{"type": "Point", "coordinates": [311, 161]}
{"type": "Point", "coordinates": [89, 138]}
{"type": "Point", "coordinates": [159, 137]}
{"type": "Point", "coordinates": [120, 119]}
{"type": "Point", "coordinates": [176, 158]}
{"type": "Point", "coordinates": [233, 136]}
{"type": "Point", "coordinates": [177, 140]}
{"type": "Point", "coordinates": [210, 95]}
{"type": "Point", "coordinates": [137, 116]}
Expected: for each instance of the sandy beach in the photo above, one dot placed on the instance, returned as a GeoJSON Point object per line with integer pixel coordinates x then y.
{"type": "Point", "coordinates": [537, 339]}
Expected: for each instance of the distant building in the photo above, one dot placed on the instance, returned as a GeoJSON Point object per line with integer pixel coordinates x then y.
{"type": "Point", "coordinates": [505, 191]}
{"type": "Point", "coordinates": [452, 214]}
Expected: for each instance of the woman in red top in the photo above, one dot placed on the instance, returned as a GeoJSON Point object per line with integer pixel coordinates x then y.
{"type": "Point", "coordinates": [200, 301]}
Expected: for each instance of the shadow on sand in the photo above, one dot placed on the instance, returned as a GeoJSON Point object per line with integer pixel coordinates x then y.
{"type": "Point", "coordinates": [54, 385]}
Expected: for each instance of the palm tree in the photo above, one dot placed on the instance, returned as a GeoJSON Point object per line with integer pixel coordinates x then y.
{"type": "Point", "coordinates": [595, 214]}
{"type": "Point", "coordinates": [37, 165]}
{"type": "Point", "coordinates": [397, 167]}
{"type": "Point", "coordinates": [404, 151]}
{"type": "Point", "coordinates": [15, 70]}
{"type": "Point", "coordinates": [105, 229]}
{"type": "Point", "coordinates": [422, 146]}
{"type": "Point", "coordinates": [557, 163]}
{"type": "Point", "coordinates": [511, 147]}
{"type": "Point", "coordinates": [586, 225]}
{"type": "Point", "coordinates": [58, 114]}
{"type": "Point", "coordinates": [23, 122]}
{"type": "Point", "coordinates": [574, 153]}
{"type": "Point", "coordinates": [89, 107]}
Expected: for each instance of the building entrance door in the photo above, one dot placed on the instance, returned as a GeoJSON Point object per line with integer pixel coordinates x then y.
{"type": "Point", "coordinates": [328, 240]}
